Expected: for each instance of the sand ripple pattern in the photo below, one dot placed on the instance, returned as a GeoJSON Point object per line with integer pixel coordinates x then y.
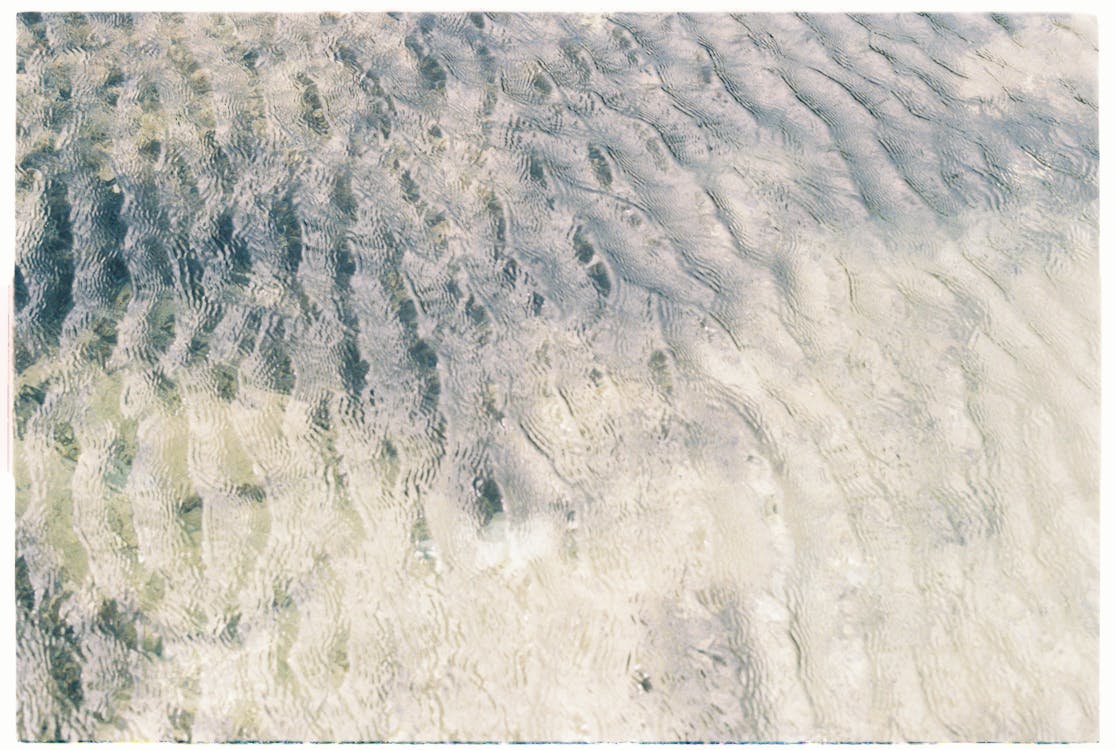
{"type": "Point", "coordinates": [549, 377]}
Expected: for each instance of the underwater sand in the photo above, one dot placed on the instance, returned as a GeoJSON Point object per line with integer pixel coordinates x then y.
{"type": "Point", "coordinates": [555, 377]}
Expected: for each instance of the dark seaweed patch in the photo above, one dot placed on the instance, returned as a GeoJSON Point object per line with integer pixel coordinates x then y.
{"type": "Point", "coordinates": [112, 621]}
{"type": "Point", "coordinates": [342, 195]}
{"type": "Point", "coordinates": [490, 500]}
{"type": "Point", "coordinates": [25, 590]}
{"type": "Point", "coordinates": [285, 219]}
{"type": "Point", "coordinates": [660, 371]}
{"type": "Point", "coordinates": [56, 250]}
{"type": "Point", "coordinates": [190, 515]}
{"type": "Point", "coordinates": [65, 442]}
{"type": "Point", "coordinates": [151, 150]}
{"type": "Point", "coordinates": [161, 328]}
{"type": "Point", "coordinates": [345, 55]}
{"type": "Point", "coordinates": [476, 311]}
{"type": "Point", "coordinates": [27, 403]}
{"type": "Point", "coordinates": [251, 492]}
{"type": "Point", "coordinates": [63, 648]}
{"type": "Point", "coordinates": [313, 112]}
{"type": "Point", "coordinates": [280, 373]}
{"type": "Point", "coordinates": [406, 313]}
{"type": "Point", "coordinates": [121, 457]}
{"type": "Point", "coordinates": [148, 97]}
{"type": "Point", "coordinates": [198, 347]}
{"type": "Point", "coordinates": [433, 74]}
{"type": "Point", "coordinates": [233, 249]}
{"type": "Point", "coordinates": [499, 223]}
{"type": "Point", "coordinates": [599, 276]}
{"type": "Point", "coordinates": [410, 187]}
{"type": "Point", "coordinates": [423, 355]}
{"type": "Point", "coordinates": [431, 393]}
{"type": "Point", "coordinates": [226, 381]}
{"type": "Point", "coordinates": [600, 166]}
{"type": "Point", "coordinates": [536, 171]}
{"type": "Point", "coordinates": [220, 160]}
{"type": "Point", "coordinates": [583, 248]}
{"type": "Point", "coordinates": [344, 267]}
{"type": "Point", "coordinates": [167, 391]}
{"type": "Point", "coordinates": [541, 85]}
{"type": "Point", "coordinates": [319, 415]}
{"type": "Point", "coordinates": [103, 342]}
{"type": "Point", "coordinates": [354, 370]}
{"type": "Point", "coordinates": [117, 280]}
{"type": "Point", "coordinates": [231, 631]}
{"type": "Point", "coordinates": [20, 290]}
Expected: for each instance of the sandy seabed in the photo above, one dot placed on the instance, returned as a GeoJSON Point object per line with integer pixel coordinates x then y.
{"type": "Point", "coordinates": [554, 377]}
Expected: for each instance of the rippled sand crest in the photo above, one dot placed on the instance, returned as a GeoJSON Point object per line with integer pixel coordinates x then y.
{"type": "Point", "coordinates": [552, 377]}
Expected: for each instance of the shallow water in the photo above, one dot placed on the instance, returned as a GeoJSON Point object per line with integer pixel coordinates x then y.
{"type": "Point", "coordinates": [498, 377]}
